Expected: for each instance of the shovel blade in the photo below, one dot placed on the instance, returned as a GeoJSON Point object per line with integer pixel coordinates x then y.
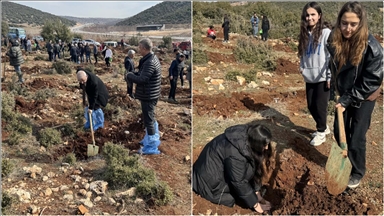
{"type": "Point", "coordinates": [92, 150]}
{"type": "Point", "coordinates": [337, 170]}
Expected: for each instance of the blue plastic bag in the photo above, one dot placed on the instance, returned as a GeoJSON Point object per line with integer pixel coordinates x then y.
{"type": "Point", "coordinates": [97, 119]}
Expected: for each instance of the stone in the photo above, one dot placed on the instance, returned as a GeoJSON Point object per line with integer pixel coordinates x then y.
{"type": "Point", "coordinates": [64, 187]}
{"type": "Point", "coordinates": [240, 80]}
{"type": "Point", "coordinates": [86, 186]}
{"type": "Point", "coordinates": [82, 209]}
{"type": "Point", "coordinates": [207, 79]}
{"type": "Point", "coordinates": [77, 178]}
{"type": "Point", "coordinates": [187, 158]}
{"type": "Point", "coordinates": [97, 199]}
{"type": "Point", "coordinates": [88, 194]}
{"type": "Point", "coordinates": [138, 200]}
{"type": "Point", "coordinates": [68, 197]}
{"type": "Point", "coordinates": [51, 174]}
{"type": "Point", "coordinates": [221, 87]}
{"type": "Point", "coordinates": [33, 175]}
{"type": "Point", "coordinates": [48, 192]}
{"type": "Point", "coordinates": [252, 84]}
{"type": "Point", "coordinates": [266, 74]}
{"type": "Point", "coordinates": [83, 192]}
{"type": "Point", "coordinates": [217, 81]}
{"type": "Point", "coordinates": [87, 203]}
{"type": "Point", "coordinates": [265, 82]}
{"type": "Point", "coordinates": [99, 187]}
{"type": "Point", "coordinates": [33, 209]}
{"type": "Point", "coordinates": [210, 89]}
{"type": "Point", "coordinates": [112, 201]}
{"type": "Point", "coordinates": [55, 189]}
{"type": "Point", "coordinates": [45, 178]}
{"type": "Point", "coordinates": [130, 193]}
{"type": "Point", "coordinates": [23, 195]}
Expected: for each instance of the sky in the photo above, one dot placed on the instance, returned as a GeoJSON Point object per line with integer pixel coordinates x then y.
{"type": "Point", "coordinates": [94, 9]}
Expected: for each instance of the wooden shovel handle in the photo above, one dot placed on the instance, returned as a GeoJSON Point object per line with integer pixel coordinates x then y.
{"type": "Point", "coordinates": [342, 137]}
{"type": "Point", "coordinates": [91, 123]}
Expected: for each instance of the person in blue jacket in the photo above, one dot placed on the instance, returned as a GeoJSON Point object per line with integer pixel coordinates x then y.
{"type": "Point", "coordinates": [255, 25]}
{"type": "Point", "coordinates": [175, 70]}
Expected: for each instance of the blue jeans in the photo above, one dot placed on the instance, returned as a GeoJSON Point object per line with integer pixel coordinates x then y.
{"type": "Point", "coordinates": [88, 57]}
{"type": "Point", "coordinates": [255, 30]}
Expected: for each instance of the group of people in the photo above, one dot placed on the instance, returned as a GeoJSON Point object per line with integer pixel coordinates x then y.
{"type": "Point", "coordinates": [346, 59]}
{"type": "Point", "coordinates": [265, 26]}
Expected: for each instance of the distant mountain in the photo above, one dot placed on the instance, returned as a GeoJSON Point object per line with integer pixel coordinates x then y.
{"type": "Point", "coordinates": [162, 13]}
{"type": "Point", "coordinates": [110, 21]}
{"type": "Point", "coordinates": [14, 13]}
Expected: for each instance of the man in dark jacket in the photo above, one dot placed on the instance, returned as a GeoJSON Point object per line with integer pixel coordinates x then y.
{"type": "Point", "coordinates": [175, 69]}
{"type": "Point", "coordinates": [129, 67]}
{"type": "Point", "coordinates": [49, 47]}
{"type": "Point", "coordinates": [148, 90]}
{"type": "Point", "coordinates": [95, 52]}
{"type": "Point", "coordinates": [16, 58]}
{"type": "Point", "coordinates": [225, 170]}
{"type": "Point", "coordinates": [87, 51]}
{"type": "Point", "coordinates": [94, 88]}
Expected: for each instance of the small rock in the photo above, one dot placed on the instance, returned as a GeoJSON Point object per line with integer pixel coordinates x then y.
{"type": "Point", "coordinates": [207, 79]}
{"type": "Point", "coordinates": [97, 199]}
{"type": "Point", "coordinates": [138, 200]}
{"type": "Point", "coordinates": [48, 192]}
{"type": "Point", "coordinates": [43, 149]}
{"type": "Point", "coordinates": [81, 169]}
{"type": "Point", "coordinates": [88, 194]}
{"type": "Point", "coordinates": [210, 89]}
{"type": "Point", "coordinates": [99, 187]}
{"type": "Point", "coordinates": [33, 209]}
{"type": "Point", "coordinates": [266, 74]}
{"type": "Point", "coordinates": [83, 192]}
{"type": "Point", "coordinates": [76, 178]}
{"type": "Point", "coordinates": [33, 175]}
{"type": "Point", "coordinates": [112, 201]}
{"type": "Point", "coordinates": [187, 158]}
{"type": "Point", "coordinates": [64, 187]}
{"type": "Point", "coordinates": [82, 209]}
{"type": "Point", "coordinates": [86, 186]}
{"type": "Point", "coordinates": [209, 211]}
{"type": "Point", "coordinates": [65, 164]}
{"type": "Point", "coordinates": [87, 203]}
{"type": "Point", "coordinates": [374, 143]}
{"type": "Point", "coordinates": [265, 82]}
{"type": "Point", "coordinates": [252, 84]}
{"type": "Point", "coordinates": [130, 193]}
{"type": "Point", "coordinates": [221, 87]}
{"type": "Point", "coordinates": [310, 183]}
{"type": "Point", "coordinates": [77, 172]}
{"type": "Point", "coordinates": [240, 80]}
{"type": "Point", "coordinates": [365, 204]}
{"type": "Point", "coordinates": [45, 178]}
{"type": "Point", "coordinates": [296, 114]}
{"type": "Point", "coordinates": [68, 197]}
{"type": "Point", "coordinates": [126, 132]}
{"type": "Point", "coordinates": [217, 81]}
{"type": "Point", "coordinates": [55, 189]}
{"type": "Point", "coordinates": [51, 174]}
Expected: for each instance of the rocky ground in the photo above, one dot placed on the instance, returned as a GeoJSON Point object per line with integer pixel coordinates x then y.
{"type": "Point", "coordinates": [41, 183]}
{"type": "Point", "coordinates": [296, 183]}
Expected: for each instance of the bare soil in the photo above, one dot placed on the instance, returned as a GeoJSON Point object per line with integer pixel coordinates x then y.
{"type": "Point", "coordinates": [123, 125]}
{"type": "Point", "coordinates": [297, 179]}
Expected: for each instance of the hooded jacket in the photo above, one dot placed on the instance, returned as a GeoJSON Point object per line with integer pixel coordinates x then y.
{"type": "Point", "coordinates": [225, 169]}
{"type": "Point", "coordinates": [176, 68]}
{"type": "Point", "coordinates": [148, 79]}
{"type": "Point", "coordinates": [356, 84]}
{"type": "Point", "coordinates": [15, 54]}
{"type": "Point", "coordinates": [315, 61]}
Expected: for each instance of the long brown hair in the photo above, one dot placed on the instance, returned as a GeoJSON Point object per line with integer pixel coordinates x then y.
{"type": "Point", "coordinates": [259, 136]}
{"type": "Point", "coordinates": [352, 49]}
{"type": "Point", "coordinates": [316, 32]}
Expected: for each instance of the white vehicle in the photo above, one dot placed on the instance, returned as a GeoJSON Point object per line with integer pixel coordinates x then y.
{"type": "Point", "coordinates": [111, 43]}
{"type": "Point", "coordinates": [90, 41]}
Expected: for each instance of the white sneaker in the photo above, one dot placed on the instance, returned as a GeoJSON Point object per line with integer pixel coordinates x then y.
{"type": "Point", "coordinates": [318, 139]}
{"type": "Point", "coordinates": [327, 131]}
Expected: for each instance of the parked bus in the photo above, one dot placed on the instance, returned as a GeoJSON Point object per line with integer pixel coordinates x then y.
{"type": "Point", "coordinates": [16, 33]}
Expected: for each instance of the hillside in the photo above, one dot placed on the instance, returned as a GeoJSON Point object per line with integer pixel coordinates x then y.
{"type": "Point", "coordinates": [283, 16]}
{"type": "Point", "coordinates": [172, 13]}
{"type": "Point", "coordinates": [18, 14]}
{"type": "Point", "coordinates": [110, 21]}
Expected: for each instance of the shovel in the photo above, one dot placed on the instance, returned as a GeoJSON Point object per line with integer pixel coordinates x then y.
{"type": "Point", "coordinates": [92, 149]}
{"type": "Point", "coordinates": [338, 167]}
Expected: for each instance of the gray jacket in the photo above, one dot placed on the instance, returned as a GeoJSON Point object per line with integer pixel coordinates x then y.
{"type": "Point", "coordinates": [314, 62]}
{"type": "Point", "coordinates": [15, 56]}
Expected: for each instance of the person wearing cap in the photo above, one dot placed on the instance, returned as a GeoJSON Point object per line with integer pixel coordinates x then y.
{"type": "Point", "coordinates": [129, 67]}
{"type": "Point", "coordinates": [16, 58]}
{"type": "Point", "coordinates": [175, 70]}
{"type": "Point", "coordinates": [95, 89]}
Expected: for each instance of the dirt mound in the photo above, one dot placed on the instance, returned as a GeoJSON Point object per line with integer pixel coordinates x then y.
{"type": "Point", "coordinates": [42, 83]}
{"type": "Point", "coordinates": [26, 107]}
{"type": "Point", "coordinates": [219, 57]}
{"type": "Point", "coordinates": [282, 47]}
{"type": "Point", "coordinates": [286, 66]}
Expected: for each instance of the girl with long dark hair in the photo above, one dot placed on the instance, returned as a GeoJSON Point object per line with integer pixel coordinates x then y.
{"type": "Point", "coordinates": [230, 167]}
{"type": "Point", "coordinates": [357, 67]}
{"type": "Point", "coordinates": [314, 59]}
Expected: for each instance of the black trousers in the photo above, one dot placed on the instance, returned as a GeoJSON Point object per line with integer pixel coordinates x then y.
{"type": "Point", "coordinates": [317, 102]}
{"type": "Point", "coordinates": [226, 32]}
{"type": "Point", "coordinates": [95, 55]}
{"type": "Point", "coordinates": [129, 87]}
{"type": "Point", "coordinates": [264, 36]}
{"type": "Point", "coordinates": [172, 91]}
{"type": "Point", "coordinates": [107, 61]}
{"type": "Point", "coordinates": [356, 123]}
{"type": "Point", "coordinates": [182, 78]}
{"type": "Point", "coordinates": [148, 109]}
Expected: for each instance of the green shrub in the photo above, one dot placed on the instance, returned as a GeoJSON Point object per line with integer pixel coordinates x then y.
{"type": "Point", "coordinates": [8, 106]}
{"type": "Point", "coordinates": [44, 94]}
{"type": "Point", "coordinates": [199, 57]}
{"type": "Point", "coordinates": [49, 71]}
{"type": "Point", "coordinates": [67, 130]}
{"type": "Point", "coordinates": [70, 158]}
{"type": "Point", "coordinates": [6, 203]}
{"type": "Point", "coordinates": [20, 124]}
{"type": "Point", "coordinates": [78, 114]}
{"type": "Point", "coordinates": [293, 46]}
{"type": "Point", "coordinates": [167, 42]}
{"type": "Point", "coordinates": [259, 54]}
{"type": "Point", "coordinates": [62, 67]}
{"type": "Point", "coordinates": [48, 137]}
{"type": "Point", "coordinates": [17, 89]}
{"type": "Point", "coordinates": [250, 75]}
{"type": "Point", "coordinates": [6, 167]}
{"type": "Point", "coordinates": [125, 171]}
{"type": "Point", "coordinates": [231, 75]}
{"type": "Point", "coordinates": [133, 41]}
{"type": "Point", "coordinates": [90, 68]}
{"type": "Point", "coordinates": [148, 190]}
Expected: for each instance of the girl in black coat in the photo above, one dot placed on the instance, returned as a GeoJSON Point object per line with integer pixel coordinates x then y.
{"type": "Point", "coordinates": [230, 166]}
{"type": "Point", "coordinates": [265, 28]}
{"type": "Point", "coordinates": [357, 66]}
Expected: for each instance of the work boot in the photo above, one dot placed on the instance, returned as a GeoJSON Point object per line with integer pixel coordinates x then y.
{"type": "Point", "coordinates": [150, 145]}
